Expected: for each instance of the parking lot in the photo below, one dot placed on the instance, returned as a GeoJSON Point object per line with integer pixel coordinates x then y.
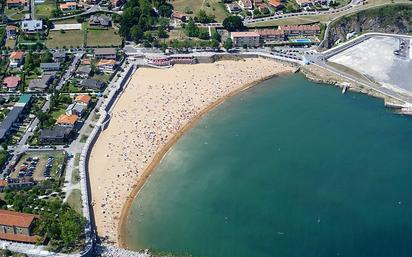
{"type": "Point", "coordinates": [40, 165]}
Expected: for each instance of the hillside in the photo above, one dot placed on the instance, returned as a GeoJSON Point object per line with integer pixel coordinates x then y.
{"type": "Point", "coordinates": [388, 19]}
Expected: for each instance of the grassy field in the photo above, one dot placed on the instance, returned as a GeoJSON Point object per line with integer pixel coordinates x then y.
{"type": "Point", "coordinates": [325, 18]}
{"type": "Point", "coordinates": [71, 38]}
{"type": "Point", "coordinates": [108, 37]}
{"type": "Point", "coordinates": [14, 13]}
{"type": "Point", "coordinates": [210, 6]}
{"type": "Point", "coordinates": [75, 200]}
{"type": "Point", "coordinates": [10, 43]}
{"type": "Point", "coordinates": [45, 10]}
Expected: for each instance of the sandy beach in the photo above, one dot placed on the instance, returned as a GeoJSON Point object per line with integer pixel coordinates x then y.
{"type": "Point", "coordinates": [155, 109]}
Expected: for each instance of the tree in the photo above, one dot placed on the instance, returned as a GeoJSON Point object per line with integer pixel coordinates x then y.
{"type": "Point", "coordinates": [161, 32]}
{"type": "Point", "coordinates": [216, 36]}
{"type": "Point", "coordinates": [214, 43]}
{"type": "Point", "coordinates": [165, 10]}
{"type": "Point", "coordinates": [136, 33]}
{"type": "Point", "coordinates": [46, 57]}
{"type": "Point", "coordinates": [228, 44]}
{"type": "Point", "coordinates": [203, 17]}
{"type": "Point", "coordinates": [191, 30]}
{"type": "Point", "coordinates": [147, 35]}
{"type": "Point", "coordinates": [233, 23]}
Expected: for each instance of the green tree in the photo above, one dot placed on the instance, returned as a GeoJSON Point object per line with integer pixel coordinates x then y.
{"type": "Point", "coordinates": [233, 23]}
{"type": "Point", "coordinates": [203, 17]}
{"type": "Point", "coordinates": [165, 10]}
{"type": "Point", "coordinates": [228, 44]}
{"type": "Point", "coordinates": [46, 57]}
{"type": "Point", "coordinates": [161, 32]}
{"type": "Point", "coordinates": [136, 33]}
{"type": "Point", "coordinates": [191, 29]}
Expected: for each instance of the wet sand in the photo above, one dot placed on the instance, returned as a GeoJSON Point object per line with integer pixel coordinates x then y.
{"type": "Point", "coordinates": [153, 112]}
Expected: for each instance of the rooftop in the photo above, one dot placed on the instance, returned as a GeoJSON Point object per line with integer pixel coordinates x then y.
{"type": "Point", "coordinates": [17, 219]}
{"type": "Point", "coordinates": [245, 34]}
{"type": "Point", "coordinates": [16, 55]}
{"type": "Point", "coordinates": [83, 99]}
{"type": "Point", "coordinates": [12, 81]}
{"type": "Point", "coordinates": [67, 119]}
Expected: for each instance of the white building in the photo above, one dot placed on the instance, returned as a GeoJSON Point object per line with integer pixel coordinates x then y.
{"type": "Point", "coordinates": [249, 38]}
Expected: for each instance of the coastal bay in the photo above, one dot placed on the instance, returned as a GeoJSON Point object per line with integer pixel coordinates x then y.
{"type": "Point", "coordinates": [287, 168]}
{"type": "Point", "coordinates": [157, 106]}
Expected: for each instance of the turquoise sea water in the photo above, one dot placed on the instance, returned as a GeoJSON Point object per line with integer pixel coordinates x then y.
{"type": "Point", "coordinates": [287, 169]}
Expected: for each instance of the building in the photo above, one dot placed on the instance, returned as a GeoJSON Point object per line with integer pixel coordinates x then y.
{"type": "Point", "coordinates": [76, 109]}
{"type": "Point", "coordinates": [50, 66]}
{"type": "Point", "coordinates": [246, 4]}
{"type": "Point", "coordinates": [69, 6]}
{"type": "Point", "coordinates": [277, 4]}
{"type": "Point", "coordinates": [263, 8]}
{"type": "Point", "coordinates": [117, 3]}
{"type": "Point", "coordinates": [233, 8]}
{"type": "Point", "coordinates": [67, 120]}
{"type": "Point", "coordinates": [92, 84]}
{"type": "Point", "coordinates": [32, 26]}
{"type": "Point", "coordinates": [56, 135]}
{"type": "Point", "coordinates": [304, 3]}
{"type": "Point", "coordinates": [249, 39]}
{"type": "Point", "coordinates": [16, 59]}
{"type": "Point", "coordinates": [107, 66]}
{"type": "Point", "coordinates": [300, 30]}
{"type": "Point", "coordinates": [179, 16]}
{"type": "Point", "coordinates": [158, 60]}
{"type": "Point", "coordinates": [183, 59]}
{"type": "Point", "coordinates": [11, 83]}
{"type": "Point", "coordinates": [11, 31]}
{"type": "Point", "coordinates": [105, 53]}
{"type": "Point", "coordinates": [270, 35]}
{"type": "Point", "coordinates": [16, 3]}
{"type": "Point", "coordinates": [59, 56]}
{"type": "Point", "coordinates": [17, 226]}
{"type": "Point", "coordinates": [14, 116]}
{"type": "Point", "coordinates": [83, 99]}
{"type": "Point", "coordinates": [100, 21]}
{"type": "Point", "coordinates": [41, 85]}
{"type": "Point", "coordinates": [83, 71]}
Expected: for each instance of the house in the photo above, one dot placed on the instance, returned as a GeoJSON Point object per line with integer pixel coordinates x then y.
{"type": "Point", "coordinates": [16, 3]}
{"type": "Point", "coordinates": [11, 31]}
{"type": "Point", "coordinates": [32, 26]}
{"type": "Point", "coordinates": [76, 109]}
{"type": "Point", "coordinates": [17, 227]}
{"type": "Point", "coordinates": [83, 71]}
{"type": "Point", "coordinates": [59, 56]}
{"type": "Point", "coordinates": [248, 38]}
{"type": "Point", "coordinates": [179, 16]}
{"type": "Point", "coordinates": [50, 66]}
{"type": "Point", "coordinates": [158, 59]}
{"type": "Point", "coordinates": [67, 120]}
{"type": "Point", "coordinates": [277, 4]}
{"type": "Point", "coordinates": [11, 83]}
{"type": "Point", "coordinates": [86, 61]}
{"type": "Point", "coordinates": [300, 30]}
{"type": "Point", "coordinates": [83, 99]}
{"type": "Point", "coordinates": [69, 6]}
{"type": "Point", "coordinates": [107, 66]}
{"type": "Point", "coordinates": [100, 21]}
{"type": "Point", "coordinates": [41, 84]}
{"type": "Point", "coordinates": [263, 8]}
{"type": "Point", "coordinates": [246, 4]}
{"type": "Point", "coordinates": [57, 135]}
{"type": "Point", "coordinates": [270, 35]}
{"type": "Point", "coordinates": [16, 59]}
{"type": "Point", "coordinates": [233, 7]}
{"type": "Point", "coordinates": [304, 3]}
{"type": "Point", "coordinates": [105, 53]}
{"type": "Point", "coordinates": [92, 84]}
{"type": "Point", "coordinates": [39, 1]}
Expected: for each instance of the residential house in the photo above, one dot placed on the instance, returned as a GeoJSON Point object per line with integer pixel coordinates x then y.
{"type": "Point", "coordinates": [76, 109]}
{"type": "Point", "coordinates": [246, 4]}
{"type": "Point", "coordinates": [17, 227]}
{"type": "Point", "coordinates": [263, 8]}
{"type": "Point", "coordinates": [304, 3]}
{"type": "Point", "coordinates": [59, 56]}
{"type": "Point", "coordinates": [16, 3]}
{"type": "Point", "coordinates": [83, 99]}
{"type": "Point", "coordinates": [92, 84]}
{"type": "Point", "coordinates": [277, 4]}
{"type": "Point", "coordinates": [233, 8]}
{"type": "Point", "coordinates": [270, 35]}
{"type": "Point", "coordinates": [57, 135]}
{"type": "Point", "coordinates": [248, 38]}
{"type": "Point", "coordinates": [32, 26]}
{"type": "Point", "coordinates": [11, 31]}
{"type": "Point", "coordinates": [41, 84]}
{"type": "Point", "coordinates": [69, 6]}
{"type": "Point", "coordinates": [107, 66]}
{"type": "Point", "coordinates": [16, 59]}
{"type": "Point", "coordinates": [300, 30]}
{"type": "Point", "coordinates": [179, 16]}
{"type": "Point", "coordinates": [83, 71]}
{"type": "Point", "coordinates": [86, 61]}
{"type": "Point", "coordinates": [105, 53]}
{"type": "Point", "coordinates": [11, 83]}
{"type": "Point", "coordinates": [50, 66]}
{"type": "Point", "coordinates": [100, 21]}
{"type": "Point", "coordinates": [67, 120]}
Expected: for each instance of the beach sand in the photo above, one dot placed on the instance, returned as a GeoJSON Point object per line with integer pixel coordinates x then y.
{"type": "Point", "coordinates": [157, 106]}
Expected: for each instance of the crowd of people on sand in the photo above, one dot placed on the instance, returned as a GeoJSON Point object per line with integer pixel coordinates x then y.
{"type": "Point", "coordinates": [154, 107]}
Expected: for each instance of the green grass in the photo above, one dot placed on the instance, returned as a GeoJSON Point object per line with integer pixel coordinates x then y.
{"type": "Point", "coordinates": [71, 38]}
{"type": "Point", "coordinates": [75, 200]}
{"type": "Point", "coordinates": [14, 13]}
{"type": "Point", "coordinates": [104, 77]}
{"type": "Point", "coordinates": [61, 109]}
{"type": "Point", "coordinates": [83, 138]}
{"type": "Point", "coordinates": [45, 10]}
{"type": "Point", "coordinates": [107, 37]}
{"type": "Point", "coordinates": [214, 7]}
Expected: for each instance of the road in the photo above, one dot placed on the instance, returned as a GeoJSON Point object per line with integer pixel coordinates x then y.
{"type": "Point", "coordinates": [94, 9]}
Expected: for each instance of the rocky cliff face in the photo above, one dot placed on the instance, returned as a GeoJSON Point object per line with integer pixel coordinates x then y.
{"type": "Point", "coordinates": [388, 19]}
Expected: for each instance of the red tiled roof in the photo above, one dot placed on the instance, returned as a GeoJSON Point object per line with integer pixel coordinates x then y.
{"type": "Point", "coordinates": [83, 99]}
{"type": "Point", "coordinates": [11, 82]}
{"type": "Point", "coordinates": [301, 27]}
{"type": "Point", "coordinates": [67, 119]}
{"type": "Point", "coordinates": [16, 55]}
{"type": "Point", "coordinates": [15, 1]}
{"type": "Point", "coordinates": [17, 219]}
{"type": "Point", "coordinates": [106, 62]}
{"type": "Point", "coordinates": [275, 3]}
{"type": "Point", "coordinates": [270, 32]}
{"type": "Point", "coordinates": [3, 183]}
{"type": "Point", "coordinates": [245, 34]}
{"type": "Point", "coordinates": [19, 238]}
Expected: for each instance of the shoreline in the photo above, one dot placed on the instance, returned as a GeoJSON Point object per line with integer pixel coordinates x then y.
{"type": "Point", "coordinates": [165, 149]}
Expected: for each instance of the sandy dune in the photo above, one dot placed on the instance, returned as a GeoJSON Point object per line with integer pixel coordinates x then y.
{"type": "Point", "coordinates": [154, 107]}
